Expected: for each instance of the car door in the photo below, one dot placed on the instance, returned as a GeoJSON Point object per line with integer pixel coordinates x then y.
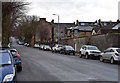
{"type": "Point", "coordinates": [105, 54]}
{"type": "Point", "coordinates": [110, 54]}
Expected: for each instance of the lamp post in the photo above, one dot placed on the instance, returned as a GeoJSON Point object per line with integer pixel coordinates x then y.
{"type": "Point", "coordinates": [58, 34]}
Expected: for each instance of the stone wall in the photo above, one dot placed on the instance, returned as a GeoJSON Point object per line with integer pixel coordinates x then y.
{"type": "Point", "coordinates": [101, 41]}
{"type": "Point", "coordinates": [106, 41]}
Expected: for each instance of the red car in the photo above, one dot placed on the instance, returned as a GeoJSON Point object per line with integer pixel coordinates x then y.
{"type": "Point", "coordinates": [17, 57]}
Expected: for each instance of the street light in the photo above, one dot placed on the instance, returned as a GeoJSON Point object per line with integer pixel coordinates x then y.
{"type": "Point", "coordinates": [57, 26]}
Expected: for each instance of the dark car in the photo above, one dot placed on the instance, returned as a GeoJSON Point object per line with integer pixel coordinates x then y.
{"type": "Point", "coordinates": [17, 57]}
{"type": "Point", "coordinates": [7, 66]}
{"type": "Point", "coordinates": [67, 50]}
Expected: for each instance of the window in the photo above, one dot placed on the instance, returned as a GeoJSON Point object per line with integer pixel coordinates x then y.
{"type": "Point", "coordinates": [5, 57]}
{"type": "Point", "coordinates": [75, 32]}
{"type": "Point", "coordinates": [118, 50]}
{"type": "Point", "coordinates": [111, 50]}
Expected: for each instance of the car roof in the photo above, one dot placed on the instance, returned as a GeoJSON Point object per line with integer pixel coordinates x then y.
{"type": "Point", "coordinates": [3, 50]}
{"type": "Point", "coordinates": [88, 45]}
{"type": "Point", "coordinates": [114, 48]}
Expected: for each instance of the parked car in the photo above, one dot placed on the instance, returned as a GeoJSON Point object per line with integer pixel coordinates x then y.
{"type": "Point", "coordinates": [21, 42]}
{"type": "Point", "coordinates": [26, 44]}
{"type": "Point", "coordinates": [8, 68]}
{"type": "Point", "coordinates": [47, 48]}
{"type": "Point", "coordinates": [17, 57]}
{"type": "Point", "coordinates": [67, 50]}
{"type": "Point", "coordinates": [41, 47]}
{"type": "Point", "coordinates": [111, 54]}
{"type": "Point", "coordinates": [57, 48]}
{"type": "Point", "coordinates": [36, 46]}
{"type": "Point", "coordinates": [89, 51]}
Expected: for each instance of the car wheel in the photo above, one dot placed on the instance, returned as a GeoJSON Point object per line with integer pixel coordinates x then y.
{"type": "Point", "coordinates": [101, 59]}
{"type": "Point", "coordinates": [68, 53]}
{"type": "Point", "coordinates": [112, 61]}
{"type": "Point", "coordinates": [80, 55]}
{"type": "Point", "coordinates": [55, 51]}
{"type": "Point", "coordinates": [19, 69]}
{"type": "Point", "coordinates": [60, 52]}
{"type": "Point", "coordinates": [73, 53]}
{"type": "Point", "coordinates": [65, 53]}
{"type": "Point", "coordinates": [52, 51]}
{"type": "Point", "coordinates": [87, 56]}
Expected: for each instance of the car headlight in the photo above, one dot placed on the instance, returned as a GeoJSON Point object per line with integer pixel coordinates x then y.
{"type": "Point", "coordinates": [8, 78]}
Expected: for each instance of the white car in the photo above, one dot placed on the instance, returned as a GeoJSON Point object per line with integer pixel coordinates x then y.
{"type": "Point", "coordinates": [57, 48]}
{"type": "Point", "coordinates": [111, 54]}
{"type": "Point", "coordinates": [89, 51]}
{"type": "Point", "coordinates": [36, 46]}
{"type": "Point", "coordinates": [41, 47]}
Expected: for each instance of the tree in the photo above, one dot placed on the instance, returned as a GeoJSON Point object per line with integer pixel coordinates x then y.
{"type": "Point", "coordinates": [27, 27]}
{"type": "Point", "coordinates": [11, 12]}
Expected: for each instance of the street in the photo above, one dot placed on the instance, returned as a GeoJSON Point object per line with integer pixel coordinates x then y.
{"type": "Point", "coordinates": [41, 65]}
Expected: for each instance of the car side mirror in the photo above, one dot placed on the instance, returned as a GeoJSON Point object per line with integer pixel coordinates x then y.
{"type": "Point", "coordinates": [17, 62]}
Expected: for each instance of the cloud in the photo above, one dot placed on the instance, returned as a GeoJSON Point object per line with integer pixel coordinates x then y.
{"type": "Point", "coordinates": [71, 10]}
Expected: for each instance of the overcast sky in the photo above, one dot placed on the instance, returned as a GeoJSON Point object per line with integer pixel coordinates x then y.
{"type": "Point", "coordinates": [71, 10]}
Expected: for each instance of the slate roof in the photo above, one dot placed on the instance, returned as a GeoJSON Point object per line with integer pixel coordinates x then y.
{"type": "Point", "coordinates": [82, 28]}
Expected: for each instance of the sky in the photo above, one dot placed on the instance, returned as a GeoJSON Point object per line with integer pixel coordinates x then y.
{"type": "Point", "coordinates": [71, 10]}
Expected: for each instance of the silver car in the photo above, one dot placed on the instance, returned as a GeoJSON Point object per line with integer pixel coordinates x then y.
{"type": "Point", "coordinates": [111, 54]}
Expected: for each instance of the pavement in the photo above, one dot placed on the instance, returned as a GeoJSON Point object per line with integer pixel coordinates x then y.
{"type": "Point", "coordinates": [41, 65]}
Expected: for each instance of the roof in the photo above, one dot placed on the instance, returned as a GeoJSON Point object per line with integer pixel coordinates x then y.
{"type": "Point", "coordinates": [64, 25]}
{"type": "Point", "coordinates": [3, 50]}
{"type": "Point", "coordinates": [81, 28]}
{"type": "Point", "coordinates": [84, 28]}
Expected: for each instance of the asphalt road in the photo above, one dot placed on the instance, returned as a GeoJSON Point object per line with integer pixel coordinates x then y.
{"type": "Point", "coordinates": [46, 66]}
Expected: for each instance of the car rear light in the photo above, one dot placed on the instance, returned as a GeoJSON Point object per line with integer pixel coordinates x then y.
{"type": "Point", "coordinates": [116, 54]}
{"type": "Point", "coordinates": [18, 56]}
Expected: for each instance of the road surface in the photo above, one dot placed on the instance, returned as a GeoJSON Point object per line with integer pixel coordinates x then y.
{"type": "Point", "coordinates": [41, 65]}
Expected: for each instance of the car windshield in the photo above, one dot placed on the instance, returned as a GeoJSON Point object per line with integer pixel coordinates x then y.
{"type": "Point", "coordinates": [69, 48]}
{"type": "Point", "coordinates": [14, 53]}
{"type": "Point", "coordinates": [47, 46]}
{"type": "Point", "coordinates": [5, 58]}
{"type": "Point", "coordinates": [118, 50]}
{"type": "Point", "coordinates": [92, 48]}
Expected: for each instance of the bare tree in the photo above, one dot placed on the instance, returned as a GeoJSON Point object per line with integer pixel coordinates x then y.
{"type": "Point", "coordinates": [27, 27]}
{"type": "Point", "coordinates": [11, 12]}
